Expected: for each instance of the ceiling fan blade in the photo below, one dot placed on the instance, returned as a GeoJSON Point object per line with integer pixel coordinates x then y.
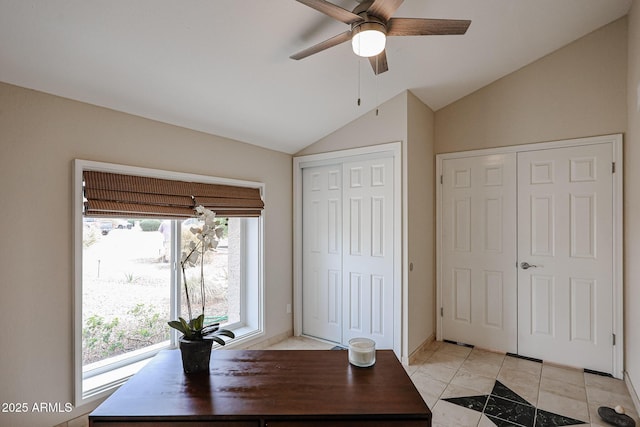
{"type": "Point", "coordinates": [379, 63]}
{"type": "Point", "coordinates": [384, 8]}
{"type": "Point", "coordinates": [330, 9]}
{"type": "Point", "coordinates": [333, 41]}
{"type": "Point", "coordinates": [426, 27]}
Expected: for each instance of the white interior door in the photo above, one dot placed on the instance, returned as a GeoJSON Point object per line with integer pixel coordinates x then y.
{"type": "Point", "coordinates": [322, 252]}
{"type": "Point", "coordinates": [368, 242]}
{"type": "Point", "coordinates": [565, 233]}
{"type": "Point", "coordinates": [348, 251]}
{"type": "Point", "coordinates": [478, 247]}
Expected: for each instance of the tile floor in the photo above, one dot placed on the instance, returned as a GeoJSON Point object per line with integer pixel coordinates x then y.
{"type": "Point", "coordinates": [472, 387]}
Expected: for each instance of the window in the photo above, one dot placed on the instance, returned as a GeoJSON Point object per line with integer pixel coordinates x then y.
{"type": "Point", "coordinates": [129, 282]}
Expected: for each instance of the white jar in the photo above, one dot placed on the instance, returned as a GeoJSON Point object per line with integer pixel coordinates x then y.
{"type": "Point", "coordinates": [362, 352]}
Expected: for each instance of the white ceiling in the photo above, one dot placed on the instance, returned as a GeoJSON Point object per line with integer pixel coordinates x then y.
{"type": "Point", "coordinates": [223, 67]}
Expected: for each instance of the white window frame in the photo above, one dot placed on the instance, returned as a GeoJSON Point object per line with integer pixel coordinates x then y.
{"type": "Point", "coordinates": [105, 379]}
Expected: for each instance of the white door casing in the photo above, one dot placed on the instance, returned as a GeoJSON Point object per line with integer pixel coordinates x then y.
{"type": "Point", "coordinates": [565, 232]}
{"type": "Point", "coordinates": [479, 251]}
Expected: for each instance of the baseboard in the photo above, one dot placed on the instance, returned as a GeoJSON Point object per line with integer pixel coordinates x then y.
{"type": "Point", "coordinates": [632, 392]}
{"type": "Point", "coordinates": [264, 343]}
{"type": "Point", "coordinates": [414, 355]}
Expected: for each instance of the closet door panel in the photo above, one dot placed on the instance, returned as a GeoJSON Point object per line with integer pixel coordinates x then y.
{"type": "Point", "coordinates": [322, 252]}
{"type": "Point", "coordinates": [368, 260]}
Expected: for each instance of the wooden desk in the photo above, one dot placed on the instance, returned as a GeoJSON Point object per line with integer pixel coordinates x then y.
{"type": "Point", "coordinates": [275, 388]}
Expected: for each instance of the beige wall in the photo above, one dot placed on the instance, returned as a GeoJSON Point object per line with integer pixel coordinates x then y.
{"type": "Point", "coordinates": [404, 118]}
{"type": "Point", "coordinates": [40, 135]}
{"type": "Point", "coordinates": [577, 91]}
{"type": "Point", "coordinates": [421, 218]}
{"type": "Point", "coordinates": [390, 125]}
{"type": "Point", "coordinates": [632, 204]}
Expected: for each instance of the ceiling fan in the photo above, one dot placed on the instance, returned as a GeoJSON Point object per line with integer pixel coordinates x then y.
{"type": "Point", "coordinates": [371, 23]}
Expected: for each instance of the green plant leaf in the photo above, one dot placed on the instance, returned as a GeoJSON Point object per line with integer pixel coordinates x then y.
{"type": "Point", "coordinates": [197, 323]}
{"type": "Point", "coordinates": [216, 339]}
{"type": "Point", "coordinates": [177, 325]}
{"type": "Point", "coordinates": [188, 334]}
{"type": "Point", "coordinates": [226, 333]}
{"type": "Point", "coordinates": [184, 323]}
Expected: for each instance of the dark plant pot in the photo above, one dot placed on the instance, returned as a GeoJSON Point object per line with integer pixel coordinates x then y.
{"type": "Point", "coordinates": [195, 355]}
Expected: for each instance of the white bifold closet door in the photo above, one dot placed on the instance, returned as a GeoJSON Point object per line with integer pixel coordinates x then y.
{"type": "Point", "coordinates": [348, 257]}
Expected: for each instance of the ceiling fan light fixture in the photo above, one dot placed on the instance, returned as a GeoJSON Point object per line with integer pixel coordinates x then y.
{"type": "Point", "coordinates": [369, 39]}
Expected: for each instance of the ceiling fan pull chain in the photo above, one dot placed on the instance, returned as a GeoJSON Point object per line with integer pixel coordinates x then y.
{"type": "Point", "coordinates": [376, 78]}
{"type": "Point", "coordinates": [359, 61]}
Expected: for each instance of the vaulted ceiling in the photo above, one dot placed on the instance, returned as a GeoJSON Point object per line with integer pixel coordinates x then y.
{"type": "Point", "coordinates": [223, 66]}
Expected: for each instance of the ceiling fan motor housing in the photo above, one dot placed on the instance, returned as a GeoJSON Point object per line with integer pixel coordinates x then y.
{"type": "Point", "coordinates": [369, 22]}
{"type": "Point", "coordinates": [373, 30]}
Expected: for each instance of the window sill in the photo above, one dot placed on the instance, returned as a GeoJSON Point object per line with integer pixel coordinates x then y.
{"type": "Point", "coordinates": [103, 384]}
{"type": "Point", "coordinates": [244, 335]}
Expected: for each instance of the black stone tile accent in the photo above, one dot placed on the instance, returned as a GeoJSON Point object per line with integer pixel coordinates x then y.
{"type": "Point", "coordinates": [505, 408]}
{"type": "Point", "coordinates": [476, 403]}
{"type": "Point", "coordinates": [502, 423]}
{"type": "Point", "coordinates": [549, 419]}
{"type": "Point", "coordinates": [505, 392]}
{"type": "Point", "coordinates": [510, 411]}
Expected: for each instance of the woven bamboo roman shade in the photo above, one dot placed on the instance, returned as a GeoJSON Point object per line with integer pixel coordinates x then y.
{"type": "Point", "coordinates": [111, 194]}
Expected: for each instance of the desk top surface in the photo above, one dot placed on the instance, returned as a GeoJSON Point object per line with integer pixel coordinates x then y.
{"type": "Point", "coordinates": [268, 383]}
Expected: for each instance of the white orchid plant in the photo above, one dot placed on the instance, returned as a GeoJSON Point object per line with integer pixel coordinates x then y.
{"type": "Point", "coordinates": [208, 235]}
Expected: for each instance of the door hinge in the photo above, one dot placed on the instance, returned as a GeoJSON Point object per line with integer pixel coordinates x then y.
{"type": "Point", "coordinates": [614, 338]}
{"type": "Point", "coordinates": [441, 179]}
{"type": "Point", "coordinates": [441, 311]}
{"type": "Point", "coordinates": [613, 167]}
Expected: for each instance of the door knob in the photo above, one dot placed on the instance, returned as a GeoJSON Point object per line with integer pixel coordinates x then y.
{"type": "Point", "coordinates": [526, 265]}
